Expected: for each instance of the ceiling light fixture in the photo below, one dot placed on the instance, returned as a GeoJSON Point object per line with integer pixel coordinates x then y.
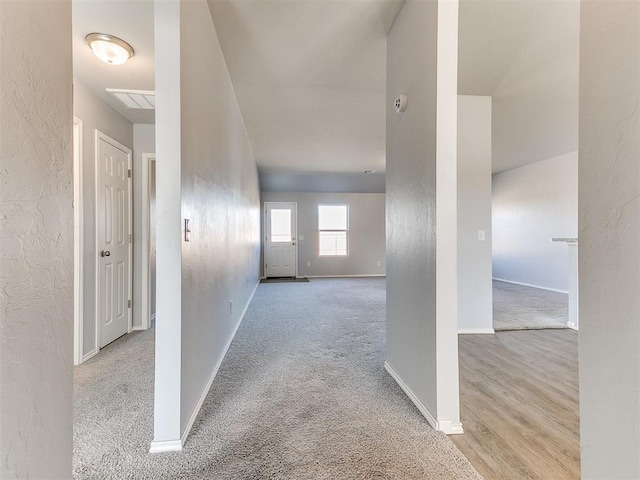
{"type": "Point", "coordinates": [109, 49]}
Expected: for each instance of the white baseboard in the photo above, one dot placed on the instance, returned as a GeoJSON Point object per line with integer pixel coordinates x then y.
{"type": "Point", "coordinates": [572, 326]}
{"type": "Point", "coordinates": [446, 426]}
{"type": "Point", "coordinates": [347, 276]}
{"type": "Point", "coordinates": [476, 331]}
{"type": "Point", "coordinates": [204, 393]}
{"type": "Point", "coordinates": [166, 446]}
{"type": "Point", "coordinates": [90, 355]}
{"type": "Point", "coordinates": [531, 285]}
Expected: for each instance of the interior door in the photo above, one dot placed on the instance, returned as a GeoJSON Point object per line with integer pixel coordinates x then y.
{"type": "Point", "coordinates": [114, 252]}
{"type": "Point", "coordinates": [281, 249]}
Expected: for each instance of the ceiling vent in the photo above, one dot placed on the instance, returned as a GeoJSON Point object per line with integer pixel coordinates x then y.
{"type": "Point", "coordinates": [134, 99]}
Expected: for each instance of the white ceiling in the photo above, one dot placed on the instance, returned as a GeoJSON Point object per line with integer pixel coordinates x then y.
{"type": "Point", "coordinates": [131, 20]}
{"type": "Point", "coordinates": [309, 75]}
{"type": "Point", "coordinates": [310, 78]}
{"type": "Point", "coordinates": [524, 53]}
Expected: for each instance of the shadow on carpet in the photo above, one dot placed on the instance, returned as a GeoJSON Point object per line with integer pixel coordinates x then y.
{"type": "Point", "coordinates": [516, 307]}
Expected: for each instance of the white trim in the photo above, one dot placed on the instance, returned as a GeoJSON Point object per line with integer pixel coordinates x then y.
{"type": "Point", "coordinates": [97, 137]}
{"type": "Point", "coordinates": [368, 275]}
{"type": "Point", "coordinates": [530, 285]}
{"type": "Point", "coordinates": [165, 446]}
{"type": "Point", "coordinates": [205, 392]}
{"type": "Point", "coordinates": [476, 331]}
{"type": "Point", "coordinates": [446, 426]}
{"type": "Point", "coordinates": [89, 355]}
{"type": "Point", "coordinates": [145, 242]}
{"type": "Point", "coordinates": [78, 244]}
{"type": "Point", "coordinates": [572, 326]}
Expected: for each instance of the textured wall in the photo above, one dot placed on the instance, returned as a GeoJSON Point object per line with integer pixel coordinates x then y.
{"type": "Point", "coordinates": [95, 114]}
{"type": "Point", "coordinates": [475, 295]}
{"type": "Point", "coordinates": [531, 205]}
{"type": "Point", "coordinates": [422, 208]}
{"type": "Point", "coordinates": [609, 230]}
{"type": "Point", "coordinates": [36, 240]}
{"type": "Point", "coordinates": [366, 232]}
{"type": "Point", "coordinates": [221, 197]}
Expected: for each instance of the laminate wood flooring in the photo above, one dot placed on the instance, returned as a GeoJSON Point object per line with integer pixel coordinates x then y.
{"type": "Point", "coordinates": [519, 404]}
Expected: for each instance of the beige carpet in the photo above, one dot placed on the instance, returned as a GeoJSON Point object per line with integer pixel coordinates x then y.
{"type": "Point", "coordinates": [516, 307]}
{"type": "Point", "coordinates": [302, 394]}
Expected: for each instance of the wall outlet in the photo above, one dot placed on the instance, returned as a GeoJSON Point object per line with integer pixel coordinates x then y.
{"type": "Point", "coordinates": [308, 264]}
{"type": "Point", "coordinates": [379, 263]}
{"type": "Point", "coordinates": [481, 235]}
{"type": "Point", "coordinates": [230, 306]}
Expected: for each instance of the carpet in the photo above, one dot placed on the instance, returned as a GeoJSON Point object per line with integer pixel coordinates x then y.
{"type": "Point", "coordinates": [516, 307]}
{"type": "Point", "coordinates": [284, 280]}
{"type": "Point", "coordinates": [301, 394]}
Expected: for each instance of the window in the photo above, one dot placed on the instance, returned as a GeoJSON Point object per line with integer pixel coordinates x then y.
{"type": "Point", "coordinates": [333, 225]}
{"type": "Point", "coordinates": [281, 225]}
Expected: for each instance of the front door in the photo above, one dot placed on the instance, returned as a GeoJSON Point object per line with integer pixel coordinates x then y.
{"type": "Point", "coordinates": [281, 251]}
{"type": "Point", "coordinates": [114, 241]}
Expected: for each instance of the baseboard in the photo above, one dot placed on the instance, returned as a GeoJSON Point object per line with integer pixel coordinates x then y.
{"type": "Point", "coordinates": [166, 446]}
{"type": "Point", "coordinates": [531, 285]}
{"type": "Point", "coordinates": [377, 275]}
{"type": "Point", "coordinates": [476, 331]}
{"type": "Point", "coordinates": [446, 426]}
{"type": "Point", "coordinates": [90, 355]}
{"type": "Point", "coordinates": [572, 326]}
{"type": "Point", "coordinates": [198, 406]}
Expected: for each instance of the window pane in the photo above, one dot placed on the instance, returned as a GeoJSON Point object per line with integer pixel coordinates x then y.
{"type": "Point", "coordinates": [280, 225]}
{"type": "Point", "coordinates": [333, 243]}
{"type": "Point", "coordinates": [332, 217]}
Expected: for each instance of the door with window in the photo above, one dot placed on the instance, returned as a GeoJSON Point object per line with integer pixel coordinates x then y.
{"type": "Point", "coordinates": [281, 249]}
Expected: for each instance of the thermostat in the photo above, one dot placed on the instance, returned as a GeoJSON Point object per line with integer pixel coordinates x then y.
{"type": "Point", "coordinates": [400, 103]}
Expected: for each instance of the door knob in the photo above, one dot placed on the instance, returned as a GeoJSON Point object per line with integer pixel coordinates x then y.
{"type": "Point", "coordinates": [105, 253]}
{"type": "Point", "coordinates": [293, 243]}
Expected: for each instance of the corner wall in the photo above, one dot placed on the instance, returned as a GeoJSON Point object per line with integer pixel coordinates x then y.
{"type": "Point", "coordinates": [205, 173]}
{"type": "Point", "coordinates": [609, 248]}
{"type": "Point", "coordinates": [475, 289]}
{"type": "Point", "coordinates": [531, 205]}
{"type": "Point", "coordinates": [36, 240]}
{"type": "Point", "coordinates": [421, 191]}
{"type": "Point", "coordinates": [366, 233]}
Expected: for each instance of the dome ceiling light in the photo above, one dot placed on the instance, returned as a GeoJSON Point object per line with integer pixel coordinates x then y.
{"type": "Point", "coordinates": [109, 49]}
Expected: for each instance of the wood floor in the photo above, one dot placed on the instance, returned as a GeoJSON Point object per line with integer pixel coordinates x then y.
{"type": "Point", "coordinates": [519, 404]}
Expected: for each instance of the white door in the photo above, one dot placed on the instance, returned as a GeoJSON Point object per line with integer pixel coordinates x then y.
{"type": "Point", "coordinates": [114, 241]}
{"type": "Point", "coordinates": [281, 250]}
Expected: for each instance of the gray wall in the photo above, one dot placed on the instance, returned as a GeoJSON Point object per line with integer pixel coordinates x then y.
{"type": "Point", "coordinates": [144, 141]}
{"type": "Point", "coordinates": [36, 240]}
{"type": "Point", "coordinates": [609, 249]}
{"type": "Point", "coordinates": [366, 233]}
{"type": "Point", "coordinates": [95, 114]}
{"type": "Point", "coordinates": [475, 295]}
{"type": "Point", "coordinates": [221, 197]}
{"type": "Point", "coordinates": [421, 209]}
{"type": "Point", "coordinates": [531, 205]}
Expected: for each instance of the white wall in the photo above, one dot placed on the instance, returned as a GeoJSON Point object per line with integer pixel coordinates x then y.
{"type": "Point", "coordinates": [475, 294]}
{"type": "Point", "coordinates": [36, 240]}
{"type": "Point", "coordinates": [422, 348]}
{"type": "Point", "coordinates": [205, 165]}
{"type": "Point", "coordinates": [531, 205]}
{"type": "Point", "coordinates": [95, 114]}
{"type": "Point", "coordinates": [609, 248]}
{"type": "Point", "coordinates": [366, 233]}
{"type": "Point", "coordinates": [144, 141]}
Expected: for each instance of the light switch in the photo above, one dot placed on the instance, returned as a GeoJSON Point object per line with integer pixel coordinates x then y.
{"type": "Point", "coordinates": [301, 237]}
{"type": "Point", "coordinates": [187, 232]}
{"type": "Point", "coordinates": [481, 235]}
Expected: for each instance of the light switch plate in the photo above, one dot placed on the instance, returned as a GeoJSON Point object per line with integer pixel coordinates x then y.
{"type": "Point", "coordinates": [301, 237]}
{"type": "Point", "coordinates": [481, 235]}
